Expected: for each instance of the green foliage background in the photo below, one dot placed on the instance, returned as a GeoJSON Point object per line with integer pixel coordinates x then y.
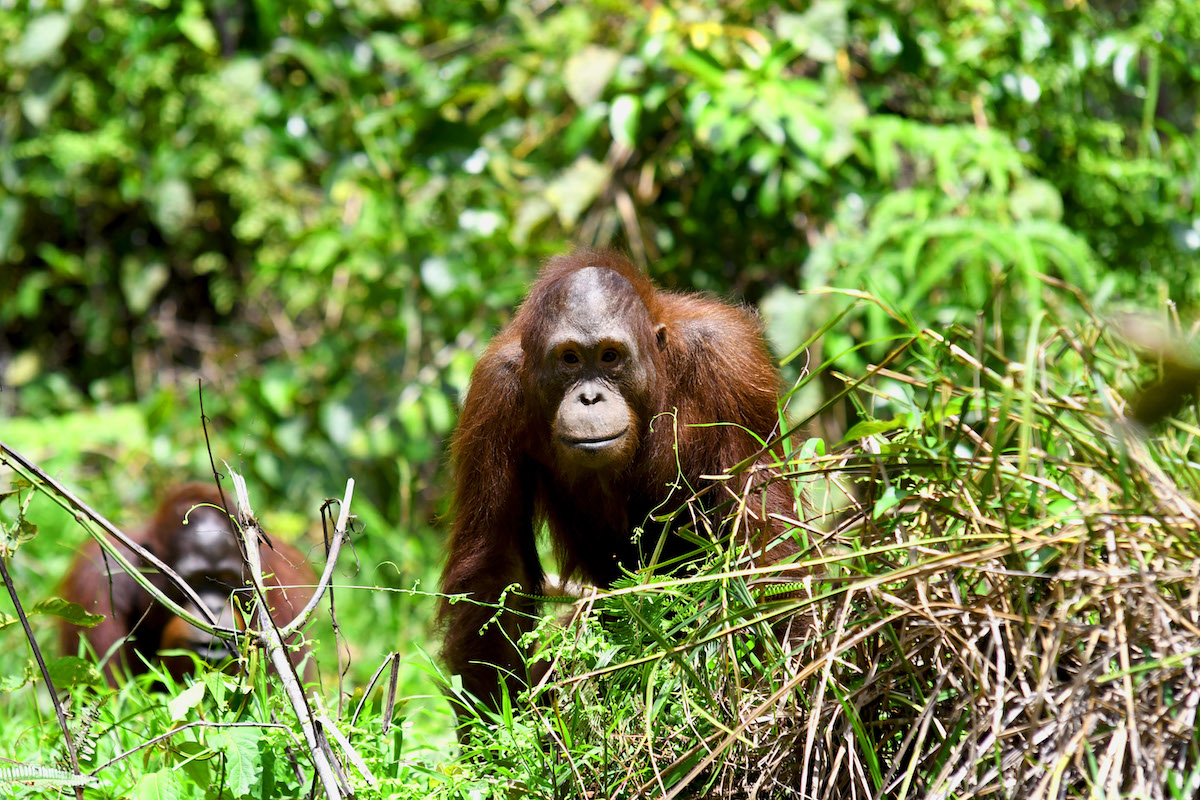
{"type": "Point", "coordinates": [305, 205]}
{"type": "Point", "coordinates": [320, 211]}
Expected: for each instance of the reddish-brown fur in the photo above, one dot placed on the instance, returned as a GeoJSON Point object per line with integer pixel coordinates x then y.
{"type": "Point", "coordinates": [135, 627]}
{"type": "Point", "coordinates": [713, 367]}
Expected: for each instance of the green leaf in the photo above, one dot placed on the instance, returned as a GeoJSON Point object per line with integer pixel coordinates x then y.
{"type": "Point", "coordinates": [890, 498]}
{"type": "Point", "coordinates": [845, 111]}
{"type": "Point", "coordinates": [12, 211]}
{"type": "Point", "coordinates": [161, 785]}
{"type": "Point", "coordinates": [338, 422]}
{"type": "Point", "coordinates": [788, 317]}
{"type": "Point", "coordinates": [42, 39]}
{"type": "Point", "coordinates": [12, 682]}
{"type": "Point", "coordinates": [437, 277]}
{"type": "Point", "coordinates": [197, 762]}
{"type": "Point", "coordinates": [32, 775]}
{"type": "Point", "coordinates": [199, 31]}
{"type": "Point", "coordinates": [279, 392]}
{"type": "Point", "coordinates": [141, 283]}
{"type": "Point", "coordinates": [319, 252]}
{"type": "Point", "coordinates": [172, 206]}
{"type": "Point", "coordinates": [812, 448]}
{"type": "Point", "coordinates": [533, 212]}
{"type": "Point", "coordinates": [588, 72]}
{"type": "Point", "coordinates": [72, 671]}
{"type": "Point", "coordinates": [71, 612]}
{"type": "Point", "coordinates": [179, 705]}
{"type": "Point", "coordinates": [441, 412]}
{"type": "Point", "coordinates": [290, 435]}
{"type": "Point", "coordinates": [23, 368]}
{"type": "Point", "coordinates": [42, 93]}
{"type": "Point", "coordinates": [14, 535]}
{"type": "Point", "coordinates": [412, 416]}
{"type": "Point", "coordinates": [1033, 198]}
{"type": "Point", "coordinates": [243, 762]}
{"type": "Point", "coordinates": [576, 187]}
{"type": "Point", "coordinates": [623, 119]}
{"type": "Point", "coordinates": [873, 427]}
{"type": "Point", "coordinates": [819, 32]}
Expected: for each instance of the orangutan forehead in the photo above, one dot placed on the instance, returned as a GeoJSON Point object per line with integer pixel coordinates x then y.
{"type": "Point", "coordinates": [594, 299]}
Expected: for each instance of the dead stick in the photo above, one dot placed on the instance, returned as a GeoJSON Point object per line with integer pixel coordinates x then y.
{"type": "Point", "coordinates": [272, 641]}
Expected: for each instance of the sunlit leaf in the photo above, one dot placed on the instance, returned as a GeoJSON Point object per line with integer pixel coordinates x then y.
{"type": "Point", "coordinates": [873, 427]}
{"type": "Point", "coordinates": [587, 73]}
{"type": "Point", "coordinates": [623, 119]}
{"type": "Point", "coordinates": [575, 188]}
{"type": "Point", "coordinates": [161, 785]}
{"type": "Point", "coordinates": [195, 26]}
{"type": "Point", "coordinates": [71, 612]}
{"type": "Point", "coordinates": [243, 761]}
{"type": "Point", "coordinates": [179, 705]}
{"type": "Point", "coordinates": [68, 671]}
{"type": "Point", "coordinates": [888, 499]}
{"type": "Point", "coordinates": [141, 283]}
{"type": "Point", "coordinates": [42, 38]}
{"type": "Point", "coordinates": [338, 422]}
{"type": "Point", "coordinates": [173, 205]}
{"type": "Point", "coordinates": [437, 277]}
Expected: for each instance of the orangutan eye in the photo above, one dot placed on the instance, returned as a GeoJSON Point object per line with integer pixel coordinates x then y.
{"type": "Point", "coordinates": [610, 356]}
{"type": "Point", "coordinates": [570, 357]}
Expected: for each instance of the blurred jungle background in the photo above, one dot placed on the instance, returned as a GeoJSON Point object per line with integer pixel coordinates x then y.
{"type": "Point", "coordinates": [312, 215]}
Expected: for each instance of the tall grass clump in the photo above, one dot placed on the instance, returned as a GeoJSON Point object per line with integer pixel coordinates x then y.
{"type": "Point", "coordinates": [1004, 602]}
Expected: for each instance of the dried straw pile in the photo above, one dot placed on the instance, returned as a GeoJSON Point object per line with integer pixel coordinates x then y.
{"type": "Point", "coordinates": [1011, 608]}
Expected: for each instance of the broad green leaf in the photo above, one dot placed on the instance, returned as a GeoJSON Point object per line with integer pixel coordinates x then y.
{"type": "Point", "coordinates": [12, 211]}
{"type": "Point", "coordinates": [279, 392]}
{"type": "Point", "coordinates": [338, 422]}
{"type": "Point", "coordinates": [71, 612]}
{"type": "Point", "coordinates": [72, 671]}
{"type": "Point", "coordinates": [199, 31]}
{"type": "Point", "coordinates": [318, 252]}
{"type": "Point", "coordinates": [788, 318]}
{"type": "Point", "coordinates": [623, 119]}
{"type": "Point", "coordinates": [576, 187]}
{"type": "Point", "coordinates": [14, 535]}
{"type": "Point", "coordinates": [243, 762]}
{"type": "Point", "coordinates": [172, 205]}
{"type": "Point", "coordinates": [161, 785]}
{"type": "Point", "coordinates": [820, 31]}
{"type": "Point", "coordinates": [41, 95]}
{"type": "Point", "coordinates": [588, 72]}
{"type": "Point", "coordinates": [1033, 198]}
{"type": "Point", "coordinates": [12, 682]}
{"type": "Point", "coordinates": [441, 412]}
{"type": "Point", "coordinates": [411, 414]}
{"type": "Point", "coordinates": [874, 427]}
{"type": "Point", "coordinates": [437, 277]}
{"type": "Point", "coordinates": [196, 761]}
{"type": "Point", "coordinates": [533, 212]}
{"type": "Point", "coordinates": [812, 448]}
{"type": "Point", "coordinates": [43, 38]}
{"type": "Point", "coordinates": [141, 283]}
{"type": "Point", "coordinates": [99, 429]}
{"type": "Point", "coordinates": [890, 498]}
{"type": "Point", "coordinates": [179, 705]}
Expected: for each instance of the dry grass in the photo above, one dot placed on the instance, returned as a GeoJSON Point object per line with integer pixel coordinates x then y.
{"type": "Point", "coordinates": [1009, 610]}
